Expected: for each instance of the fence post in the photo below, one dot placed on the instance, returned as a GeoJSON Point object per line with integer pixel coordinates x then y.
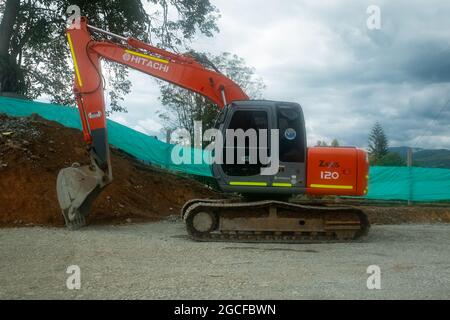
{"type": "Point", "coordinates": [168, 135]}
{"type": "Point", "coordinates": [409, 160]}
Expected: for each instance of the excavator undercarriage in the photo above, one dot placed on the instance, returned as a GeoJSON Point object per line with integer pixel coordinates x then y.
{"type": "Point", "coordinates": [272, 221]}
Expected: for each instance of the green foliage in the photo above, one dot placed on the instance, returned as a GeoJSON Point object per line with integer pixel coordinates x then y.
{"type": "Point", "coordinates": [439, 158]}
{"type": "Point", "coordinates": [183, 107]}
{"type": "Point", "coordinates": [335, 143]}
{"type": "Point", "coordinates": [378, 144]}
{"type": "Point", "coordinates": [429, 158]}
{"type": "Point", "coordinates": [38, 57]}
{"type": "Point", "coordinates": [235, 68]}
{"type": "Point", "coordinates": [321, 143]}
{"type": "Point", "coordinates": [391, 159]}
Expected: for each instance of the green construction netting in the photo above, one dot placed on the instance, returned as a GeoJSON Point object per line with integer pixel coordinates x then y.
{"type": "Point", "coordinates": [385, 183]}
{"type": "Point", "coordinates": [413, 183]}
{"type": "Point", "coordinates": [142, 146]}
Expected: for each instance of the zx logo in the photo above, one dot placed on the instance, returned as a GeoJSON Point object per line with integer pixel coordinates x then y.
{"type": "Point", "coordinates": [328, 164]}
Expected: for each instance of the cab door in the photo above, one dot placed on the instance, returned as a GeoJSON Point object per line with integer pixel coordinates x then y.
{"type": "Point", "coordinates": [292, 146]}
{"type": "Point", "coordinates": [243, 173]}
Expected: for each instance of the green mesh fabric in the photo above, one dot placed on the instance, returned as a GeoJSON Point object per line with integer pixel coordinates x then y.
{"type": "Point", "coordinates": [385, 183]}
{"type": "Point", "coordinates": [141, 146]}
{"type": "Point", "coordinates": [413, 183]}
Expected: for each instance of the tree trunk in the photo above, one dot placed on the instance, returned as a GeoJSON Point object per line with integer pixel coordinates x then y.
{"type": "Point", "coordinates": [10, 73]}
{"type": "Point", "coordinates": [7, 24]}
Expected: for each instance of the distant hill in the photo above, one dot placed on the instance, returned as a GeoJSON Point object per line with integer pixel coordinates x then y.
{"type": "Point", "coordinates": [432, 158]}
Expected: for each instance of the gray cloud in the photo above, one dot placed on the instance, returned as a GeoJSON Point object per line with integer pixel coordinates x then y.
{"type": "Point", "coordinates": [345, 76]}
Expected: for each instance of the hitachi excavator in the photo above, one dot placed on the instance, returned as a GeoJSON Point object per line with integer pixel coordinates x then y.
{"type": "Point", "coordinates": [263, 212]}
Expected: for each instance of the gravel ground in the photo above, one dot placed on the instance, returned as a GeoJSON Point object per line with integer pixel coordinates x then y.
{"type": "Point", "coordinates": [157, 261]}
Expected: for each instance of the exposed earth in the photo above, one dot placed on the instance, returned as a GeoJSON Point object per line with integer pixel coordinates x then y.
{"type": "Point", "coordinates": [33, 150]}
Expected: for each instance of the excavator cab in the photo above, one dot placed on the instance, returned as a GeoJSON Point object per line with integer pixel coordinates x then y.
{"type": "Point", "coordinates": [264, 148]}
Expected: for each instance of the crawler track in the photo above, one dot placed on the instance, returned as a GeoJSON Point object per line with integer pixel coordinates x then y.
{"type": "Point", "coordinates": [272, 221]}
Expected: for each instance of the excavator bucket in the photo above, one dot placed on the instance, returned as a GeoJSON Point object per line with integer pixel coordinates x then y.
{"type": "Point", "coordinates": [77, 188]}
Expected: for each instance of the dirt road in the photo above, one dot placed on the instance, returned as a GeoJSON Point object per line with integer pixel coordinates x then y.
{"type": "Point", "coordinates": [156, 261]}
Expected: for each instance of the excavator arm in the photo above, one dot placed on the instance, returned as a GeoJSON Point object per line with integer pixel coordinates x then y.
{"type": "Point", "coordinates": [77, 187]}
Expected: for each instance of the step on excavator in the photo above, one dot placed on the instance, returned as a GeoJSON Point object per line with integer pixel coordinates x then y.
{"type": "Point", "coordinates": [263, 212]}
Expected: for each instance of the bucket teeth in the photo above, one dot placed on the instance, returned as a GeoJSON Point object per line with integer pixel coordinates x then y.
{"type": "Point", "coordinates": [74, 220]}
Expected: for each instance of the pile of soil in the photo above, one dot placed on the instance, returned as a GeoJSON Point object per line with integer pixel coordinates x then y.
{"type": "Point", "coordinates": [33, 150]}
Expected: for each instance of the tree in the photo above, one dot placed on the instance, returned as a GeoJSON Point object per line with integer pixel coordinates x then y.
{"type": "Point", "coordinates": [391, 159]}
{"type": "Point", "coordinates": [335, 143]}
{"type": "Point", "coordinates": [321, 143]}
{"type": "Point", "coordinates": [34, 53]}
{"type": "Point", "coordinates": [183, 107]}
{"type": "Point", "coordinates": [378, 143]}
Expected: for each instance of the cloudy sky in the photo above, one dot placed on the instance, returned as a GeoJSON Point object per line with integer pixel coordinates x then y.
{"type": "Point", "coordinates": [322, 55]}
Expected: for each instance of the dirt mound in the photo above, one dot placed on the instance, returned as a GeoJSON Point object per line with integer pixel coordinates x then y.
{"type": "Point", "coordinates": [33, 150]}
{"type": "Point", "coordinates": [407, 214]}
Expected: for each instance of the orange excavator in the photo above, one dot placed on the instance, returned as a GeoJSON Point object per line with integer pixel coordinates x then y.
{"type": "Point", "coordinates": [262, 212]}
